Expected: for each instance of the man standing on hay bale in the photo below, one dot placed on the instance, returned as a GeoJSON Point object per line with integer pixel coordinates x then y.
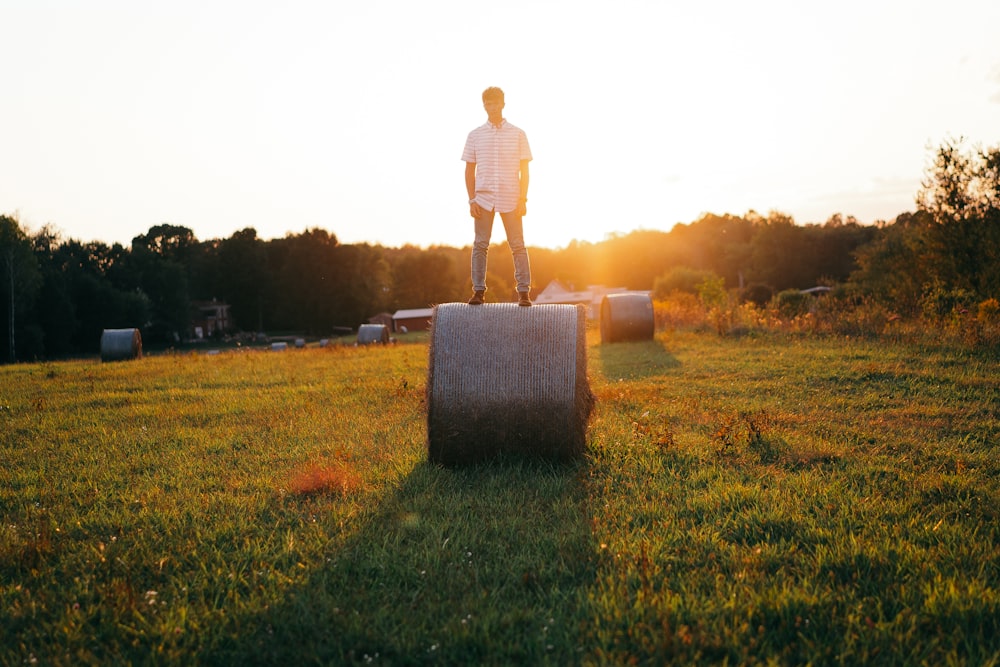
{"type": "Point", "coordinates": [496, 159]}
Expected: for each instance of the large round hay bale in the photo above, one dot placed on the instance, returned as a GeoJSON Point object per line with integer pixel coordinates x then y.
{"type": "Point", "coordinates": [373, 333]}
{"type": "Point", "coordinates": [506, 380]}
{"type": "Point", "coordinates": [626, 316]}
{"type": "Point", "coordinates": [120, 344]}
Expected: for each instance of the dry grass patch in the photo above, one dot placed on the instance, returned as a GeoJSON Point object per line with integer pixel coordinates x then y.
{"type": "Point", "coordinates": [314, 478]}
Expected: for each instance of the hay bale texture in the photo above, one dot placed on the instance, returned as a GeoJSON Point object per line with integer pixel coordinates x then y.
{"type": "Point", "coordinates": [506, 380]}
{"type": "Point", "coordinates": [121, 344]}
{"type": "Point", "coordinates": [626, 316]}
{"type": "Point", "coordinates": [373, 333]}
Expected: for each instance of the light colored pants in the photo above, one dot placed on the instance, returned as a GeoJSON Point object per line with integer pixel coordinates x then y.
{"type": "Point", "coordinates": [515, 239]}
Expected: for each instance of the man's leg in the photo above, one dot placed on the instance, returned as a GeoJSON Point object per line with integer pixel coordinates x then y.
{"type": "Point", "coordinates": [515, 239]}
{"type": "Point", "coordinates": [480, 247]}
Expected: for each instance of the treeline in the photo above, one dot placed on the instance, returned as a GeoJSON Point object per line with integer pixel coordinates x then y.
{"type": "Point", "coordinates": [59, 294]}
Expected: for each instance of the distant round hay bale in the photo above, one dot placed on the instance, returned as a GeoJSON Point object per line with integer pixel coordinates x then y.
{"type": "Point", "coordinates": [279, 347]}
{"type": "Point", "coordinates": [300, 343]}
{"type": "Point", "coordinates": [373, 333]}
{"type": "Point", "coordinates": [120, 344]}
{"type": "Point", "coordinates": [626, 316]}
{"type": "Point", "coordinates": [506, 380]}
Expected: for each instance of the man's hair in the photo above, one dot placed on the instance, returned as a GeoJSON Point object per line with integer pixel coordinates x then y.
{"type": "Point", "coordinates": [492, 92]}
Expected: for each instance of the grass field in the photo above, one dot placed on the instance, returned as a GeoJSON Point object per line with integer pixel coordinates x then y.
{"type": "Point", "coordinates": [755, 500]}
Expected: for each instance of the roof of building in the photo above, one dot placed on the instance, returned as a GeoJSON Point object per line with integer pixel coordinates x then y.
{"type": "Point", "coordinates": [557, 292]}
{"type": "Point", "coordinates": [412, 313]}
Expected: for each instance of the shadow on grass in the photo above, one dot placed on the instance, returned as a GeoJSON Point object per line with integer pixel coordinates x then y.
{"type": "Point", "coordinates": [478, 565]}
{"type": "Point", "coordinates": [633, 360]}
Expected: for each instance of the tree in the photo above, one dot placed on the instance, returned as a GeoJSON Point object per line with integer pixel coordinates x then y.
{"type": "Point", "coordinates": [242, 277]}
{"type": "Point", "coordinates": [173, 242]}
{"type": "Point", "coordinates": [159, 265]}
{"type": "Point", "coordinates": [836, 243]}
{"type": "Point", "coordinates": [961, 192]}
{"type": "Point", "coordinates": [85, 292]}
{"type": "Point", "coordinates": [365, 275]}
{"type": "Point", "coordinates": [682, 279]}
{"type": "Point", "coordinates": [632, 260]}
{"type": "Point", "coordinates": [20, 278]}
{"type": "Point", "coordinates": [782, 254]}
{"type": "Point", "coordinates": [57, 313]}
{"type": "Point", "coordinates": [421, 278]}
{"type": "Point", "coordinates": [308, 287]}
{"type": "Point", "coordinates": [893, 267]}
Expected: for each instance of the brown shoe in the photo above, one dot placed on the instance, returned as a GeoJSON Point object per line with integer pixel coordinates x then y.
{"type": "Point", "coordinates": [522, 299]}
{"type": "Point", "coordinates": [477, 298]}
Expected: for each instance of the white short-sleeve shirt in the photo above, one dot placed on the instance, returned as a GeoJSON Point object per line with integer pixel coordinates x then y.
{"type": "Point", "coordinates": [497, 153]}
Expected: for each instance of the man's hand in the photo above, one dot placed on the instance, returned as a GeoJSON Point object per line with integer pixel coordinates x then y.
{"type": "Point", "coordinates": [475, 210]}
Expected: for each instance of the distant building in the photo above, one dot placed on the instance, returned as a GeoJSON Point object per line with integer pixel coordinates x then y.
{"type": "Point", "coordinates": [209, 318]}
{"type": "Point", "coordinates": [557, 292]}
{"type": "Point", "coordinates": [381, 318]}
{"type": "Point", "coordinates": [414, 319]}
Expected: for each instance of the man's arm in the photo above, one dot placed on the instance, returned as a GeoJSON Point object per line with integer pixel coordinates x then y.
{"type": "Point", "coordinates": [470, 186]}
{"type": "Point", "coordinates": [523, 202]}
{"type": "Point", "coordinates": [470, 179]}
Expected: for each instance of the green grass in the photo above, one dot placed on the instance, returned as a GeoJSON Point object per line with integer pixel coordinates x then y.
{"type": "Point", "coordinates": [752, 500]}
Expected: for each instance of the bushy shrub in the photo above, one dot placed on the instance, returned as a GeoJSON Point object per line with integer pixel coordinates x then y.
{"type": "Point", "coordinates": [759, 295]}
{"type": "Point", "coordinates": [793, 303]}
{"type": "Point", "coordinates": [844, 311]}
{"type": "Point", "coordinates": [713, 296]}
{"type": "Point", "coordinates": [680, 279]}
{"type": "Point", "coordinates": [938, 302]}
{"type": "Point", "coordinates": [985, 330]}
{"type": "Point", "coordinates": [712, 292]}
{"type": "Point", "coordinates": [988, 311]}
{"type": "Point", "coordinates": [678, 310]}
{"type": "Point", "coordinates": [850, 316]}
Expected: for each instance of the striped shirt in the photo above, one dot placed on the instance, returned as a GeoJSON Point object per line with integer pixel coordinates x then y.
{"type": "Point", "coordinates": [497, 153]}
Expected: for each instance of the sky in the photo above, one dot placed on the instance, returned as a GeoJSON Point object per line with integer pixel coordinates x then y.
{"type": "Point", "coordinates": [351, 116]}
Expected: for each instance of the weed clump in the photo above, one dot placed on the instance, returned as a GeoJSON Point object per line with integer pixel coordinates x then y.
{"type": "Point", "coordinates": [318, 478]}
{"type": "Point", "coordinates": [747, 437]}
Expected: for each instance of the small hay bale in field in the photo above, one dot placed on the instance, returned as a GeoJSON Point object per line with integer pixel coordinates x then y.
{"type": "Point", "coordinates": [300, 343]}
{"type": "Point", "coordinates": [120, 344]}
{"type": "Point", "coordinates": [626, 316]}
{"type": "Point", "coordinates": [373, 333]}
{"type": "Point", "coordinates": [506, 380]}
{"type": "Point", "coordinates": [279, 347]}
